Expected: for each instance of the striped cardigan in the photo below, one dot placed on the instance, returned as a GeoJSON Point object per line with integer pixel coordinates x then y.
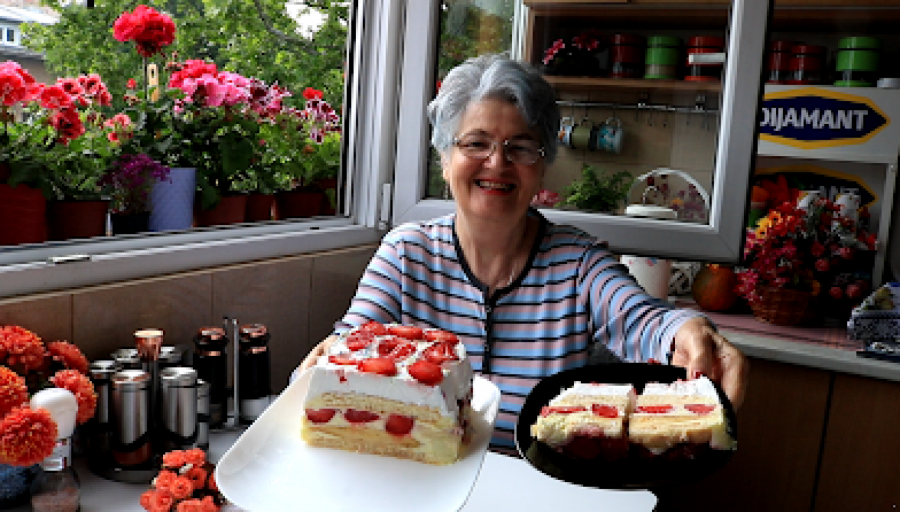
{"type": "Point", "coordinates": [572, 292]}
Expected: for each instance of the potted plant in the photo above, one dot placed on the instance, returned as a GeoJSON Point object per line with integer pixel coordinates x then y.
{"type": "Point", "coordinates": [598, 192]}
{"type": "Point", "coordinates": [309, 154]}
{"type": "Point", "coordinates": [129, 180]}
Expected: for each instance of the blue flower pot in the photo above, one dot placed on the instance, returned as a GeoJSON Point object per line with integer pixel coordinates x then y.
{"type": "Point", "coordinates": [15, 484]}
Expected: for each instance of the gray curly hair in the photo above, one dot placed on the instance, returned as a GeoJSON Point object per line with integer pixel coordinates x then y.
{"type": "Point", "coordinates": [495, 77]}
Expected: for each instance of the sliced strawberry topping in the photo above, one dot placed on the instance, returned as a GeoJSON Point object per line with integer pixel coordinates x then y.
{"type": "Point", "coordinates": [561, 409]}
{"type": "Point", "coordinates": [655, 409]}
{"type": "Point", "coordinates": [379, 365]}
{"type": "Point", "coordinates": [378, 329]}
{"type": "Point", "coordinates": [700, 408]}
{"type": "Point", "coordinates": [356, 416]}
{"type": "Point", "coordinates": [398, 424]}
{"type": "Point", "coordinates": [359, 340]}
{"type": "Point", "coordinates": [406, 331]}
{"type": "Point", "coordinates": [320, 415]}
{"type": "Point", "coordinates": [426, 372]}
{"type": "Point", "coordinates": [439, 335]}
{"type": "Point", "coordinates": [341, 359]}
{"type": "Point", "coordinates": [396, 348]}
{"type": "Point", "coordinates": [440, 352]}
{"type": "Point", "coordinates": [604, 411]}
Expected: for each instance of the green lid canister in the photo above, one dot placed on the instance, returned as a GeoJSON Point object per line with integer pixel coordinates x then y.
{"type": "Point", "coordinates": [857, 61]}
{"type": "Point", "coordinates": [663, 57]}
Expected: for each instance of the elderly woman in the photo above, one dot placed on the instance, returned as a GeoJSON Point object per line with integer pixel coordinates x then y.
{"type": "Point", "coordinates": [529, 298]}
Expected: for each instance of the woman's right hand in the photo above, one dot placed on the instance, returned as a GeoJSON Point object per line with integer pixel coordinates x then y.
{"type": "Point", "coordinates": [315, 353]}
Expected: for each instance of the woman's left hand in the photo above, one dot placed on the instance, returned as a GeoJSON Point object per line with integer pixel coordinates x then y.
{"type": "Point", "coordinates": [701, 350]}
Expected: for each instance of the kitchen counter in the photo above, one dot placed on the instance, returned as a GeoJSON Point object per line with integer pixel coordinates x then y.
{"type": "Point", "coordinates": [533, 491]}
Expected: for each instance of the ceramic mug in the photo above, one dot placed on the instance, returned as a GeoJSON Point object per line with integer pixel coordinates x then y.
{"type": "Point", "coordinates": [580, 137]}
{"type": "Point", "coordinates": [608, 136]}
{"type": "Point", "coordinates": [565, 131]}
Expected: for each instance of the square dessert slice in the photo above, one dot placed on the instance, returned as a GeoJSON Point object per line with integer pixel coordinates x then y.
{"type": "Point", "coordinates": [587, 421]}
{"type": "Point", "coordinates": [393, 390]}
{"type": "Point", "coordinates": [681, 418]}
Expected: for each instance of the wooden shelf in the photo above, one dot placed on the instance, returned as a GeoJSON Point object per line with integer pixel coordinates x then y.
{"type": "Point", "coordinates": [578, 83]}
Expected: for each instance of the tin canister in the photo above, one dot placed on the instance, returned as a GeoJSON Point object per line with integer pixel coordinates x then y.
{"type": "Point", "coordinates": [178, 389]}
{"type": "Point", "coordinates": [130, 416]}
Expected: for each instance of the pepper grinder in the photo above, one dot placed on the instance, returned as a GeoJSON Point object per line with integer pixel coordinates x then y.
{"type": "Point", "coordinates": [211, 363]}
{"type": "Point", "coordinates": [149, 345]}
{"type": "Point", "coordinates": [255, 370]}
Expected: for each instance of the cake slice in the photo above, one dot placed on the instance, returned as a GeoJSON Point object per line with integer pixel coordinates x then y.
{"type": "Point", "coordinates": [587, 421]}
{"type": "Point", "coordinates": [682, 418]}
{"type": "Point", "coordinates": [393, 390]}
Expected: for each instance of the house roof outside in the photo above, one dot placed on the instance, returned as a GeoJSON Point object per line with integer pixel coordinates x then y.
{"type": "Point", "coordinates": [19, 15]}
{"type": "Point", "coordinates": [16, 15]}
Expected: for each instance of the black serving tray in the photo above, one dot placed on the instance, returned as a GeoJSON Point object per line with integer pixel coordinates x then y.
{"type": "Point", "coordinates": [633, 472]}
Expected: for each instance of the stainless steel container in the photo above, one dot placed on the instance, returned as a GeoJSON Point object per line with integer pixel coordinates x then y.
{"type": "Point", "coordinates": [101, 372]}
{"type": "Point", "coordinates": [130, 416]}
{"type": "Point", "coordinates": [128, 358]}
{"type": "Point", "coordinates": [202, 415]}
{"type": "Point", "coordinates": [170, 355]}
{"type": "Point", "coordinates": [178, 386]}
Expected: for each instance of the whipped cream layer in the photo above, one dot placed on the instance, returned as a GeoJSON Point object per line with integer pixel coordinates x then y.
{"type": "Point", "coordinates": [446, 396]}
{"type": "Point", "coordinates": [697, 387]}
{"type": "Point", "coordinates": [594, 389]}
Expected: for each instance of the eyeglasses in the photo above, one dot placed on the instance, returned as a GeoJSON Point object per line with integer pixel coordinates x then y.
{"type": "Point", "coordinates": [480, 147]}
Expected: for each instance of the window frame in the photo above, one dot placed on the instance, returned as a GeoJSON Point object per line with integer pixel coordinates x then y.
{"type": "Point", "coordinates": [719, 241]}
{"type": "Point", "coordinates": [370, 102]}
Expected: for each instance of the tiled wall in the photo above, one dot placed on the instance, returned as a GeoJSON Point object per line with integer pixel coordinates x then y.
{"type": "Point", "coordinates": [297, 298]}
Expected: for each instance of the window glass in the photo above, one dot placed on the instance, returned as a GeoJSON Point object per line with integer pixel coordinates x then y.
{"type": "Point", "coordinates": [249, 95]}
{"type": "Point", "coordinates": [11, 35]}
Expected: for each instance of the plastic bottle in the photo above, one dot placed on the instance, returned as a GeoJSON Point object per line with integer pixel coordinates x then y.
{"type": "Point", "coordinates": [56, 488]}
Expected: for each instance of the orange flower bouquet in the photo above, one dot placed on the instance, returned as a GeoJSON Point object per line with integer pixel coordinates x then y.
{"type": "Point", "coordinates": [27, 365]}
{"type": "Point", "coordinates": [184, 484]}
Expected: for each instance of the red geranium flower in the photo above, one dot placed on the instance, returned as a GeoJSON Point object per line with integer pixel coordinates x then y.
{"type": "Point", "coordinates": [150, 30]}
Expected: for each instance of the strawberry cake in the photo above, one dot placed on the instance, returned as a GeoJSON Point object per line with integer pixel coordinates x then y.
{"type": "Point", "coordinates": [393, 390]}
{"type": "Point", "coordinates": [685, 415]}
{"type": "Point", "coordinates": [608, 421]}
{"type": "Point", "coordinates": [587, 420]}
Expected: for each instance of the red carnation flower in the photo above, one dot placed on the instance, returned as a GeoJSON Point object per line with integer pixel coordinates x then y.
{"type": "Point", "coordinates": [21, 348]}
{"type": "Point", "coordinates": [69, 355]}
{"type": "Point", "coordinates": [82, 388]}
{"type": "Point", "coordinates": [27, 436]}
{"type": "Point", "coordinates": [13, 391]}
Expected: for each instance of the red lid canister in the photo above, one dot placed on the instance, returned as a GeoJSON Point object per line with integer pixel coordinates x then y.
{"type": "Point", "coordinates": [704, 71]}
{"type": "Point", "coordinates": [626, 55]}
{"type": "Point", "coordinates": [779, 60]}
{"type": "Point", "coordinates": [807, 65]}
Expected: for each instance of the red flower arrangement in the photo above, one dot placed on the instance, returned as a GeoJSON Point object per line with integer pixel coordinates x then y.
{"type": "Point", "coordinates": [150, 30]}
{"type": "Point", "coordinates": [184, 484]}
{"type": "Point", "coordinates": [811, 249]}
{"type": "Point", "coordinates": [27, 435]}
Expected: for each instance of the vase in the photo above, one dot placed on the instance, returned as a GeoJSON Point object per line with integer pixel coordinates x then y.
{"type": "Point", "coordinates": [259, 207]}
{"type": "Point", "coordinates": [130, 223]}
{"type": "Point", "coordinates": [229, 210]}
{"type": "Point", "coordinates": [15, 484]}
{"type": "Point", "coordinates": [70, 219]}
{"type": "Point", "coordinates": [23, 215]}
{"type": "Point", "coordinates": [294, 204]}
{"type": "Point", "coordinates": [172, 200]}
{"type": "Point", "coordinates": [781, 306]}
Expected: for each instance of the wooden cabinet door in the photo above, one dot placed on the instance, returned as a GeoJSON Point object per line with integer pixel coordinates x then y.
{"type": "Point", "coordinates": [861, 454]}
{"type": "Point", "coordinates": [779, 436]}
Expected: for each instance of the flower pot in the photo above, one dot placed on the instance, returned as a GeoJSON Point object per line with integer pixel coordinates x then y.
{"type": "Point", "coordinates": [130, 223]}
{"type": "Point", "coordinates": [172, 200]}
{"type": "Point", "coordinates": [295, 204]}
{"type": "Point", "coordinates": [781, 306]}
{"type": "Point", "coordinates": [70, 219]}
{"type": "Point", "coordinates": [259, 207]}
{"type": "Point", "coordinates": [15, 484]}
{"type": "Point", "coordinates": [23, 215]}
{"type": "Point", "coordinates": [229, 210]}
{"type": "Point", "coordinates": [329, 186]}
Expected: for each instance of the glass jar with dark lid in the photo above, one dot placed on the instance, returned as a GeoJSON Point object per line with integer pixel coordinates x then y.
{"type": "Point", "coordinates": [254, 366]}
{"type": "Point", "coordinates": [779, 61]}
{"type": "Point", "coordinates": [211, 363]}
{"type": "Point", "coordinates": [626, 56]}
{"type": "Point", "coordinates": [807, 65]}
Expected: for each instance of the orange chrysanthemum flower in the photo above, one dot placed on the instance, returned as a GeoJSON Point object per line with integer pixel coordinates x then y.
{"type": "Point", "coordinates": [173, 459]}
{"type": "Point", "coordinates": [195, 456]}
{"type": "Point", "coordinates": [69, 355]}
{"type": "Point", "coordinates": [157, 501]}
{"type": "Point", "coordinates": [13, 391]}
{"type": "Point", "coordinates": [194, 505]}
{"type": "Point", "coordinates": [197, 476]}
{"type": "Point", "coordinates": [181, 488]}
{"type": "Point", "coordinates": [27, 436]}
{"type": "Point", "coordinates": [82, 388]}
{"type": "Point", "coordinates": [21, 348]}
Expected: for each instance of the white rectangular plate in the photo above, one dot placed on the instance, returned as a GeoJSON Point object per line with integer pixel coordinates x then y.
{"type": "Point", "coordinates": [271, 468]}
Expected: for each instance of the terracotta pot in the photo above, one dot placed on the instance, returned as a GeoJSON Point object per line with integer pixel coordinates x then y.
{"type": "Point", "coordinates": [259, 207]}
{"type": "Point", "coordinates": [229, 210]}
{"type": "Point", "coordinates": [76, 219]}
{"type": "Point", "coordinates": [23, 215]}
{"type": "Point", "coordinates": [329, 186]}
{"type": "Point", "coordinates": [130, 223]}
{"type": "Point", "coordinates": [299, 203]}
